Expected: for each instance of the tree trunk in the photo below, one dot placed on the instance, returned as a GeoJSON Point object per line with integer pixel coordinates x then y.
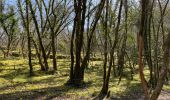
{"type": "Point", "coordinates": [164, 70]}
{"type": "Point", "coordinates": [28, 39]}
{"type": "Point", "coordinates": [105, 88]}
{"type": "Point", "coordinates": [39, 37]}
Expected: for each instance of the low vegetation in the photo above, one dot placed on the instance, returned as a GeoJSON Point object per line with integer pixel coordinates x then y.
{"type": "Point", "coordinates": [15, 82]}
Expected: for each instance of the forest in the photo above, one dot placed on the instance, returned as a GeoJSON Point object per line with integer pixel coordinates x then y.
{"type": "Point", "coordinates": [84, 50]}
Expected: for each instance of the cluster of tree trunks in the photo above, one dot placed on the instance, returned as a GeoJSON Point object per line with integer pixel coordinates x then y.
{"type": "Point", "coordinates": [151, 93]}
{"type": "Point", "coordinates": [77, 69]}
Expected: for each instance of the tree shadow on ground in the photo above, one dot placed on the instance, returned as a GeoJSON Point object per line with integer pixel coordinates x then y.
{"type": "Point", "coordinates": [12, 73]}
{"type": "Point", "coordinates": [43, 93]}
{"type": "Point", "coordinates": [47, 93]}
{"type": "Point", "coordinates": [40, 94]}
{"type": "Point", "coordinates": [132, 92]}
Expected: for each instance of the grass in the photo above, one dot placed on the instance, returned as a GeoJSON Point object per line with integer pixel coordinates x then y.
{"type": "Point", "coordinates": [15, 82]}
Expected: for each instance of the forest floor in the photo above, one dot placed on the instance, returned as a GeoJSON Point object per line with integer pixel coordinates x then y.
{"type": "Point", "coordinates": [15, 83]}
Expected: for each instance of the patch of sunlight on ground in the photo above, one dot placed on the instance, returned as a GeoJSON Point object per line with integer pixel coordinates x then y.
{"type": "Point", "coordinates": [15, 81]}
{"type": "Point", "coordinates": [166, 87]}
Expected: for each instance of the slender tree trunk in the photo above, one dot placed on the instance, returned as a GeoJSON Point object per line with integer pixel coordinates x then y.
{"type": "Point", "coordinates": [91, 34]}
{"type": "Point", "coordinates": [121, 59]}
{"type": "Point", "coordinates": [104, 91]}
{"type": "Point", "coordinates": [72, 54]}
{"type": "Point", "coordinates": [140, 43]}
{"type": "Point", "coordinates": [164, 70]}
{"type": "Point", "coordinates": [105, 88]}
{"type": "Point", "coordinates": [26, 26]}
{"type": "Point", "coordinates": [38, 55]}
{"type": "Point", "coordinates": [54, 52]}
{"type": "Point", "coordinates": [39, 37]}
{"type": "Point", "coordinates": [28, 39]}
{"type": "Point", "coordinates": [8, 46]}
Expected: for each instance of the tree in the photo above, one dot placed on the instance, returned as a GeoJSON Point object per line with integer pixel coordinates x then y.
{"type": "Point", "coordinates": [141, 44]}
{"type": "Point", "coordinates": [8, 23]}
{"type": "Point", "coordinates": [26, 24]}
{"type": "Point", "coordinates": [39, 32]}
{"type": "Point", "coordinates": [57, 21]}
{"type": "Point", "coordinates": [77, 71]}
{"type": "Point", "coordinates": [105, 87]}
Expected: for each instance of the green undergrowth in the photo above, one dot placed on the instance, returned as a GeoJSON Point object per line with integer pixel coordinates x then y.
{"type": "Point", "coordinates": [15, 81]}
